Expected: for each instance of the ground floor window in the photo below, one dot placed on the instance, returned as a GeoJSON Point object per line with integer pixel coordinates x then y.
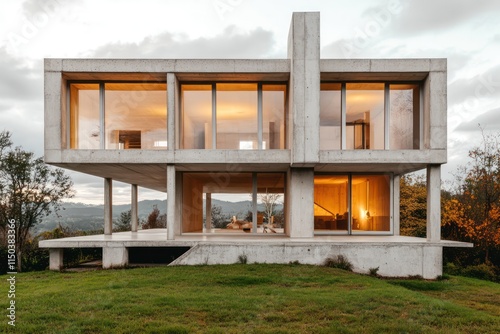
{"type": "Point", "coordinates": [233, 202]}
{"type": "Point", "coordinates": [352, 203]}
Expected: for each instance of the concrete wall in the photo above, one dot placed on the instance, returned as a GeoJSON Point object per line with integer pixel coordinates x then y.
{"type": "Point", "coordinates": [392, 260]}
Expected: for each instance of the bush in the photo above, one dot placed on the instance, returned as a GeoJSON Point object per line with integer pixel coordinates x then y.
{"type": "Point", "coordinates": [374, 271]}
{"type": "Point", "coordinates": [481, 271]}
{"type": "Point", "coordinates": [242, 259]}
{"type": "Point", "coordinates": [340, 262]}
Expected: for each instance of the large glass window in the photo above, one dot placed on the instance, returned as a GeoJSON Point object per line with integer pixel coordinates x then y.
{"type": "Point", "coordinates": [377, 116]}
{"type": "Point", "coordinates": [84, 110]}
{"type": "Point", "coordinates": [330, 116]}
{"type": "Point", "coordinates": [135, 116]}
{"type": "Point", "coordinates": [197, 116]}
{"type": "Point", "coordinates": [404, 122]}
{"type": "Point", "coordinates": [273, 110]}
{"type": "Point", "coordinates": [353, 204]}
{"type": "Point", "coordinates": [248, 116]}
{"type": "Point", "coordinates": [237, 116]}
{"type": "Point", "coordinates": [370, 203]}
{"type": "Point", "coordinates": [365, 116]}
{"type": "Point", "coordinates": [118, 115]}
{"type": "Point", "coordinates": [233, 203]}
{"type": "Point", "coordinates": [331, 210]}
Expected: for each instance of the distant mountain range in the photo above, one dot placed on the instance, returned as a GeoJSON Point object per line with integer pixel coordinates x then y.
{"type": "Point", "coordinates": [87, 217]}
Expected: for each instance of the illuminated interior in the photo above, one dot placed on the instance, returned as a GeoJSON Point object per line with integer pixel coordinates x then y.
{"type": "Point", "coordinates": [202, 191]}
{"type": "Point", "coordinates": [236, 114]}
{"type": "Point", "coordinates": [369, 198]}
{"type": "Point", "coordinates": [134, 114]}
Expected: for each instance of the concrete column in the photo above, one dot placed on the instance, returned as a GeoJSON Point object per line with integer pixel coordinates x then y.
{"type": "Point", "coordinates": [434, 203]}
{"type": "Point", "coordinates": [304, 54]}
{"type": "Point", "coordinates": [171, 202]}
{"type": "Point", "coordinates": [300, 205]}
{"type": "Point", "coordinates": [173, 99]}
{"type": "Point", "coordinates": [114, 257]}
{"type": "Point", "coordinates": [134, 208]}
{"type": "Point", "coordinates": [432, 261]}
{"type": "Point", "coordinates": [208, 212]}
{"type": "Point", "coordinates": [396, 200]}
{"type": "Point", "coordinates": [56, 259]}
{"type": "Point", "coordinates": [108, 206]}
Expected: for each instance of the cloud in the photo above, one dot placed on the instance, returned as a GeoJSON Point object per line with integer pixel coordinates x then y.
{"type": "Point", "coordinates": [18, 81]}
{"type": "Point", "coordinates": [231, 43]}
{"type": "Point", "coordinates": [489, 120]}
{"type": "Point", "coordinates": [470, 91]}
{"type": "Point", "coordinates": [416, 17]}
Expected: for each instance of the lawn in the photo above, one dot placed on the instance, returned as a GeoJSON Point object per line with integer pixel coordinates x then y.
{"type": "Point", "coordinates": [248, 299]}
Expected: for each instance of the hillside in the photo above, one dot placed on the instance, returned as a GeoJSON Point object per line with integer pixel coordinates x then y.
{"type": "Point", "coordinates": [250, 299]}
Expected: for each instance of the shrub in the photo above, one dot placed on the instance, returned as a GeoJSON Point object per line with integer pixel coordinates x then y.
{"type": "Point", "coordinates": [339, 262]}
{"type": "Point", "coordinates": [374, 271]}
{"type": "Point", "coordinates": [481, 271]}
{"type": "Point", "coordinates": [242, 259]}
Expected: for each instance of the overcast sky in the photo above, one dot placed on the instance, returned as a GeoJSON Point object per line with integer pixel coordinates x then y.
{"type": "Point", "coordinates": [465, 32]}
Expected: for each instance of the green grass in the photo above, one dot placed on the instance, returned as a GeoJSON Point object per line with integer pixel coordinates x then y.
{"type": "Point", "coordinates": [249, 299]}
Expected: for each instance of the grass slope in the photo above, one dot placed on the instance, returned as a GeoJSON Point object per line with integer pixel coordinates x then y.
{"type": "Point", "coordinates": [249, 299]}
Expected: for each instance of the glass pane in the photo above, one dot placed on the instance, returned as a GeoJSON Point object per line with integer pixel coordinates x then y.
{"type": "Point", "coordinates": [270, 202]}
{"type": "Point", "coordinates": [273, 112]}
{"type": "Point", "coordinates": [404, 121]}
{"type": "Point", "coordinates": [136, 115]}
{"type": "Point", "coordinates": [236, 116]}
{"type": "Point", "coordinates": [329, 115]}
{"type": "Point", "coordinates": [84, 110]}
{"type": "Point", "coordinates": [196, 116]}
{"type": "Point", "coordinates": [365, 116]}
{"type": "Point", "coordinates": [371, 203]}
{"type": "Point", "coordinates": [330, 203]}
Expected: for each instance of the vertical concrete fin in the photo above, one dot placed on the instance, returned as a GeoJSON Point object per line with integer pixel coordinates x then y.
{"type": "Point", "coordinates": [304, 53]}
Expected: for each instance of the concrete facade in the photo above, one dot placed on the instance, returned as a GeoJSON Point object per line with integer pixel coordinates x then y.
{"type": "Point", "coordinates": [300, 160]}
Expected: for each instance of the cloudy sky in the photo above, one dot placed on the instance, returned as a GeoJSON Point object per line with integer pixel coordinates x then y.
{"type": "Point", "coordinates": [465, 32]}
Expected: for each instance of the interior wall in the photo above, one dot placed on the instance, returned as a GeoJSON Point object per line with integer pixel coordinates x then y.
{"type": "Point", "coordinates": [192, 208]}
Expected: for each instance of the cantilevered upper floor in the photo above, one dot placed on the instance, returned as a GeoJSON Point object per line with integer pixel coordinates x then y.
{"type": "Point", "coordinates": [135, 116]}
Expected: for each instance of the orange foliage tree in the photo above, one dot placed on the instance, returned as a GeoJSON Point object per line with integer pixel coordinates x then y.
{"type": "Point", "coordinates": [473, 212]}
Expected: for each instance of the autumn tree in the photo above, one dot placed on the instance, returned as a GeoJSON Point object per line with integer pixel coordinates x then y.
{"type": "Point", "coordinates": [473, 213]}
{"type": "Point", "coordinates": [155, 220]}
{"type": "Point", "coordinates": [29, 191]}
{"type": "Point", "coordinates": [413, 206]}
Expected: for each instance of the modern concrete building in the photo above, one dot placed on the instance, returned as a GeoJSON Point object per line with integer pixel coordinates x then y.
{"type": "Point", "coordinates": [331, 137]}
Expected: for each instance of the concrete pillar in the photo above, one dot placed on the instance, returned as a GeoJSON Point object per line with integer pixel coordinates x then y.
{"type": "Point", "coordinates": [432, 261]}
{"type": "Point", "coordinates": [434, 203]}
{"type": "Point", "coordinates": [134, 208]}
{"type": "Point", "coordinates": [304, 55]}
{"type": "Point", "coordinates": [300, 205]}
{"type": "Point", "coordinates": [108, 206]}
{"type": "Point", "coordinates": [396, 200]}
{"type": "Point", "coordinates": [114, 257]}
{"type": "Point", "coordinates": [208, 212]}
{"type": "Point", "coordinates": [171, 202]}
{"type": "Point", "coordinates": [173, 98]}
{"type": "Point", "coordinates": [56, 259]}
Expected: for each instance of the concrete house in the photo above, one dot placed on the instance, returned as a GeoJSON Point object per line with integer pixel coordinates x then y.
{"type": "Point", "coordinates": [331, 137]}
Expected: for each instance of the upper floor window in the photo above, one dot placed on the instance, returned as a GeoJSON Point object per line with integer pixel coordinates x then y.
{"type": "Point", "coordinates": [118, 115]}
{"type": "Point", "coordinates": [373, 116]}
{"type": "Point", "coordinates": [233, 116]}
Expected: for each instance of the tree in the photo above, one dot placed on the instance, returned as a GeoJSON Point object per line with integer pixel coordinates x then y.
{"type": "Point", "coordinates": [124, 222]}
{"type": "Point", "coordinates": [413, 206]}
{"type": "Point", "coordinates": [154, 220]}
{"type": "Point", "coordinates": [219, 219]}
{"type": "Point", "coordinates": [29, 191]}
{"type": "Point", "coordinates": [473, 212]}
{"type": "Point", "coordinates": [269, 200]}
